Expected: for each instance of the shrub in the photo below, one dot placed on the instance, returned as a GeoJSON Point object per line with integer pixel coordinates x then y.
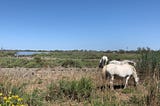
{"type": "Point", "coordinates": [149, 62]}
{"type": "Point", "coordinates": [12, 62]}
{"type": "Point", "coordinates": [72, 63]}
{"type": "Point", "coordinates": [77, 89]}
{"type": "Point", "coordinates": [135, 100]}
{"type": "Point", "coordinates": [128, 90]}
{"type": "Point", "coordinates": [74, 90]}
{"type": "Point", "coordinates": [52, 92]}
{"type": "Point", "coordinates": [34, 99]}
{"type": "Point", "coordinates": [32, 64]}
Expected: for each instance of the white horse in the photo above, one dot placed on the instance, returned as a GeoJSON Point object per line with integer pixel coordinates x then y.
{"type": "Point", "coordinates": [123, 70]}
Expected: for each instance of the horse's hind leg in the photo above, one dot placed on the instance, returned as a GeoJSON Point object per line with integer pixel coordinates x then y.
{"type": "Point", "coordinates": [126, 82]}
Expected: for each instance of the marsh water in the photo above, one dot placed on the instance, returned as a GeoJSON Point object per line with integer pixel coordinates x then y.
{"type": "Point", "coordinates": [28, 53]}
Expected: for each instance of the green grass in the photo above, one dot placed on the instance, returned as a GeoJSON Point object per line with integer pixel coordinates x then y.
{"type": "Point", "coordinates": [84, 90]}
{"type": "Point", "coordinates": [74, 90]}
{"type": "Point", "coordinates": [60, 58]}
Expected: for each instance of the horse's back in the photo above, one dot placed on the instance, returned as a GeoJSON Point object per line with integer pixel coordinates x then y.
{"type": "Point", "coordinates": [121, 70]}
{"type": "Point", "coordinates": [115, 62]}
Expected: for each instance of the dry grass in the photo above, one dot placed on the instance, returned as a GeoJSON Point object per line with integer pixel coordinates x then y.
{"type": "Point", "coordinates": [40, 78]}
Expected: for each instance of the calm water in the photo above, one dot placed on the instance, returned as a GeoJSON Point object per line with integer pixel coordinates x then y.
{"type": "Point", "coordinates": [27, 53]}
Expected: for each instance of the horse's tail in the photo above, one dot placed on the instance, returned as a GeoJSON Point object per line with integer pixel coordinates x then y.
{"type": "Point", "coordinates": [134, 69]}
{"type": "Point", "coordinates": [135, 74]}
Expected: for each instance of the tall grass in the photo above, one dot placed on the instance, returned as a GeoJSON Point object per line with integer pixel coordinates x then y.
{"type": "Point", "coordinates": [149, 62]}
{"type": "Point", "coordinates": [149, 66]}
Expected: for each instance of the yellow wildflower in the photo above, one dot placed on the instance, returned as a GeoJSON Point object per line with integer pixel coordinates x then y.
{"type": "Point", "coordinates": [20, 99]}
{"type": "Point", "coordinates": [5, 98]}
{"type": "Point", "coordinates": [12, 96]}
{"type": "Point", "coordinates": [8, 101]}
{"type": "Point", "coordinates": [9, 98]}
{"type": "Point", "coordinates": [1, 94]}
{"type": "Point", "coordinates": [16, 96]}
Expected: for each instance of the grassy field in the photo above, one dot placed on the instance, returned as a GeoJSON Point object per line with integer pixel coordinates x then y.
{"type": "Point", "coordinates": [72, 78]}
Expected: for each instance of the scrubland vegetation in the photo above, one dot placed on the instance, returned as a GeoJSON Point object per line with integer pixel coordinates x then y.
{"type": "Point", "coordinates": [60, 58]}
{"type": "Point", "coordinates": [72, 78]}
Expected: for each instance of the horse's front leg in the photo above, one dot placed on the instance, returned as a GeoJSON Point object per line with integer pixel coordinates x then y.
{"type": "Point", "coordinates": [111, 82]}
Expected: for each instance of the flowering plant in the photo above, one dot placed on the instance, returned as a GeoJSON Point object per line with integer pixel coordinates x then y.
{"type": "Point", "coordinates": [10, 100]}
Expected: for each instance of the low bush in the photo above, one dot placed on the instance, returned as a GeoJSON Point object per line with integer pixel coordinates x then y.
{"type": "Point", "coordinates": [72, 63]}
{"type": "Point", "coordinates": [35, 98]}
{"type": "Point", "coordinates": [128, 90]}
{"type": "Point", "coordinates": [77, 89]}
{"type": "Point", "coordinates": [74, 90]}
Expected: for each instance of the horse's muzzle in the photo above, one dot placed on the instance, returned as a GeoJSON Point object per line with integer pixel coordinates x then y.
{"type": "Point", "coordinates": [100, 66]}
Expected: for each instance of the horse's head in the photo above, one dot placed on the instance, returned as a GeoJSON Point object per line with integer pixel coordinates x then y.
{"type": "Point", "coordinates": [103, 61]}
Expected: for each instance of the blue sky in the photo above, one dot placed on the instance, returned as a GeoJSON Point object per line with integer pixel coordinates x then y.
{"type": "Point", "coordinates": [79, 24]}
